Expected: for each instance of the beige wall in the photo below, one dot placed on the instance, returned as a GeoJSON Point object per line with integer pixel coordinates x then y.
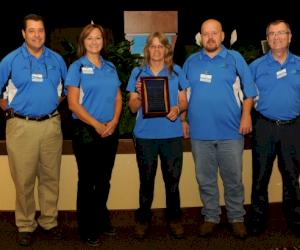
{"type": "Point", "coordinates": [125, 184]}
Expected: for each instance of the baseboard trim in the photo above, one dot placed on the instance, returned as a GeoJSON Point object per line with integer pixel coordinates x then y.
{"type": "Point", "coordinates": [123, 218]}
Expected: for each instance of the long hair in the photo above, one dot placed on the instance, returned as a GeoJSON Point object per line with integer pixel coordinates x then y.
{"type": "Point", "coordinates": [168, 57]}
{"type": "Point", "coordinates": [81, 50]}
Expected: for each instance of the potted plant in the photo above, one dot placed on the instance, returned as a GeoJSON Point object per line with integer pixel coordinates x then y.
{"type": "Point", "coordinates": [124, 61]}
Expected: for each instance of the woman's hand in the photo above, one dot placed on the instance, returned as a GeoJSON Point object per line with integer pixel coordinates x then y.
{"type": "Point", "coordinates": [174, 113]}
{"type": "Point", "coordinates": [138, 87]}
{"type": "Point", "coordinates": [100, 128]}
{"type": "Point", "coordinates": [109, 128]}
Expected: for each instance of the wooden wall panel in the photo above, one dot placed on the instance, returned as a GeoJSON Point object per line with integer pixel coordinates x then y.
{"type": "Point", "coordinates": [150, 21]}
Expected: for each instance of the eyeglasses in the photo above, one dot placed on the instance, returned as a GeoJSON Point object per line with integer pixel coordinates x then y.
{"type": "Point", "coordinates": [278, 33]}
{"type": "Point", "coordinates": [156, 46]}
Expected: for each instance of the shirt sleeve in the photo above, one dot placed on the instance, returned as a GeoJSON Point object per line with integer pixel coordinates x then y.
{"type": "Point", "coordinates": [244, 73]}
{"type": "Point", "coordinates": [73, 75]}
{"type": "Point", "coordinates": [63, 71]}
{"type": "Point", "coordinates": [5, 71]}
{"type": "Point", "coordinates": [183, 82]}
{"type": "Point", "coordinates": [133, 79]}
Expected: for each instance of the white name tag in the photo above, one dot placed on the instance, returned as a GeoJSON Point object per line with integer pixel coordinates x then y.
{"type": "Point", "coordinates": [205, 78]}
{"type": "Point", "coordinates": [87, 70]}
{"type": "Point", "coordinates": [281, 73]}
{"type": "Point", "coordinates": [37, 78]}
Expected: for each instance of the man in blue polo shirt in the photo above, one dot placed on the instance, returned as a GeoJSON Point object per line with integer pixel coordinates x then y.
{"type": "Point", "coordinates": [219, 117]}
{"type": "Point", "coordinates": [32, 77]}
{"type": "Point", "coordinates": [276, 127]}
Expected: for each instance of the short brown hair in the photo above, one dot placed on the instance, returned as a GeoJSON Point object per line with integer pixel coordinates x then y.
{"type": "Point", "coordinates": [33, 17]}
{"type": "Point", "coordinates": [278, 22]}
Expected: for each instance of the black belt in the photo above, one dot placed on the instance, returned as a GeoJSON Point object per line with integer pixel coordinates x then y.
{"type": "Point", "coordinates": [279, 122]}
{"type": "Point", "coordinates": [9, 113]}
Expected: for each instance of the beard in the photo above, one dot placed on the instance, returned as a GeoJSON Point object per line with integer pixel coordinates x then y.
{"type": "Point", "coordinates": [211, 49]}
{"type": "Point", "coordinates": [211, 46]}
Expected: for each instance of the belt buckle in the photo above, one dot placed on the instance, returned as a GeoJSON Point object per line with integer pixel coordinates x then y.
{"type": "Point", "coordinates": [42, 118]}
{"type": "Point", "coordinates": [39, 118]}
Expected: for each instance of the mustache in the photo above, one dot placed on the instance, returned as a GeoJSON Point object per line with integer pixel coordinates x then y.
{"type": "Point", "coordinates": [211, 40]}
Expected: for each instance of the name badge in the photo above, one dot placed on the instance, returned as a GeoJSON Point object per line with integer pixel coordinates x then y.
{"type": "Point", "coordinates": [87, 70]}
{"type": "Point", "coordinates": [37, 78]}
{"type": "Point", "coordinates": [205, 78]}
{"type": "Point", "coordinates": [281, 73]}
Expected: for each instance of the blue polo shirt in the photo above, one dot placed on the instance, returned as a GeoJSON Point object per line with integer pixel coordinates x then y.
{"type": "Point", "coordinates": [159, 127]}
{"type": "Point", "coordinates": [98, 87]}
{"type": "Point", "coordinates": [34, 85]}
{"type": "Point", "coordinates": [214, 112]}
{"type": "Point", "coordinates": [278, 86]}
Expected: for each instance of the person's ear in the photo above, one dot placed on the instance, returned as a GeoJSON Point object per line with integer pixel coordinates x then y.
{"type": "Point", "coordinates": [23, 33]}
{"type": "Point", "coordinates": [290, 37]}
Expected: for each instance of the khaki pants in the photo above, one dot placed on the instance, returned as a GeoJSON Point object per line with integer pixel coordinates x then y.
{"type": "Point", "coordinates": [34, 150]}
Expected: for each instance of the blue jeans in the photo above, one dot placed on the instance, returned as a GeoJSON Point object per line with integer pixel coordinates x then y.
{"type": "Point", "coordinates": [170, 152]}
{"type": "Point", "coordinates": [225, 155]}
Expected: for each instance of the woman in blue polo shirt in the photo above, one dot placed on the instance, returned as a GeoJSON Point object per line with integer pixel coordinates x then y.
{"type": "Point", "coordinates": [159, 136]}
{"type": "Point", "coordinates": [95, 99]}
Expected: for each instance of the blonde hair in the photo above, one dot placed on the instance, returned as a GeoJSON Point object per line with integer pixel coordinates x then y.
{"type": "Point", "coordinates": [81, 50]}
{"type": "Point", "coordinates": [168, 57]}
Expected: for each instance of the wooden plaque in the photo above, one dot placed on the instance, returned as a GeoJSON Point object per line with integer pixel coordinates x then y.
{"type": "Point", "coordinates": [155, 96]}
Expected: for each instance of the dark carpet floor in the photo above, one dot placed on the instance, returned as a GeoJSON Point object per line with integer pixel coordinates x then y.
{"type": "Point", "coordinates": [277, 235]}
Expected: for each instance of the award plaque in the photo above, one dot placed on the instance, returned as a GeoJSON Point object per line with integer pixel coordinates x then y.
{"type": "Point", "coordinates": [155, 96]}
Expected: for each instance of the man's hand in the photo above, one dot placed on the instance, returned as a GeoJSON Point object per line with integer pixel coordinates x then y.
{"type": "Point", "coordinates": [3, 104]}
{"type": "Point", "coordinates": [246, 124]}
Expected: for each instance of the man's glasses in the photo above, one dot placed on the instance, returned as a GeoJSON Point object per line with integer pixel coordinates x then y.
{"type": "Point", "coordinates": [278, 33]}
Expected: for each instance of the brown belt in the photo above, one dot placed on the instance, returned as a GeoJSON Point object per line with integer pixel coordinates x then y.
{"type": "Point", "coordinates": [9, 113]}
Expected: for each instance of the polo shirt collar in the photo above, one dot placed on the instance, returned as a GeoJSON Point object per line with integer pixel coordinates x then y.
{"type": "Point", "coordinates": [85, 61]}
{"type": "Point", "coordinates": [222, 53]}
{"type": "Point", "coordinates": [27, 54]}
{"type": "Point", "coordinates": [290, 58]}
{"type": "Point", "coordinates": [148, 71]}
